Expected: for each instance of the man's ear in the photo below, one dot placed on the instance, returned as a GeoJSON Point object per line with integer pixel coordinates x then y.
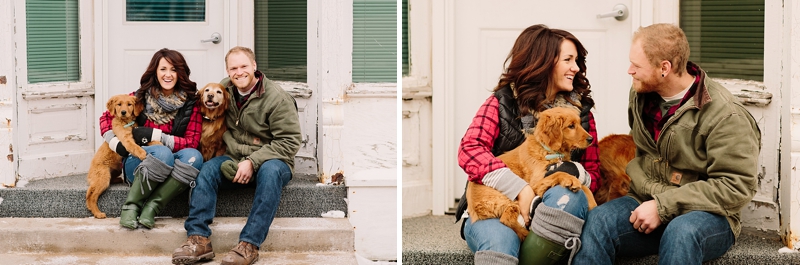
{"type": "Point", "coordinates": [666, 67]}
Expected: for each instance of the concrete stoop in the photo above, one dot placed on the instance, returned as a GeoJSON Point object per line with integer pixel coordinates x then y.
{"type": "Point", "coordinates": [436, 240]}
{"type": "Point", "coordinates": [278, 258]}
{"type": "Point", "coordinates": [103, 241]}
{"type": "Point", "coordinates": [66, 197]}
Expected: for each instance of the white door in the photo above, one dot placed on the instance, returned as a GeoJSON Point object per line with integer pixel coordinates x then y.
{"type": "Point", "coordinates": [134, 33]}
{"type": "Point", "coordinates": [485, 31]}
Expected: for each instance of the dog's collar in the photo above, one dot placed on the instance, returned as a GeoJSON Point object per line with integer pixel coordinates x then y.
{"type": "Point", "coordinates": [553, 154]}
{"type": "Point", "coordinates": [129, 124]}
{"type": "Point", "coordinates": [207, 118]}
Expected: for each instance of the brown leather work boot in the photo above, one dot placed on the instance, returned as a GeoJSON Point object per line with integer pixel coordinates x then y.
{"type": "Point", "coordinates": [195, 249]}
{"type": "Point", "coordinates": [242, 254]}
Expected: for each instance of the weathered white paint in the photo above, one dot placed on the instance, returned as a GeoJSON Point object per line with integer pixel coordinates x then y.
{"type": "Point", "coordinates": [790, 143]}
{"type": "Point", "coordinates": [305, 162]}
{"type": "Point", "coordinates": [7, 170]}
{"type": "Point", "coordinates": [372, 209]}
{"type": "Point", "coordinates": [369, 132]}
{"type": "Point", "coordinates": [330, 46]}
{"type": "Point", "coordinates": [52, 137]}
{"type": "Point", "coordinates": [416, 159]}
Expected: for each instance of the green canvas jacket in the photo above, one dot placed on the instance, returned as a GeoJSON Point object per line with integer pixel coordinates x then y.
{"type": "Point", "coordinates": [267, 127]}
{"type": "Point", "coordinates": [706, 157]}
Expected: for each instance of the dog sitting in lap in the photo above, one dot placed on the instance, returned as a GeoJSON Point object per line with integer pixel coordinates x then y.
{"type": "Point", "coordinates": [107, 163]}
{"type": "Point", "coordinates": [557, 133]}
{"type": "Point", "coordinates": [214, 100]}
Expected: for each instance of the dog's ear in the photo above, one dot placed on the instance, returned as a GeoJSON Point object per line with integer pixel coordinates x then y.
{"type": "Point", "coordinates": [138, 107]}
{"type": "Point", "coordinates": [549, 128]}
{"type": "Point", "coordinates": [110, 106]}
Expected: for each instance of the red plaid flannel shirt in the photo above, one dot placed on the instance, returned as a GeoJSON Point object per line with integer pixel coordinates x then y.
{"type": "Point", "coordinates": [651, 113]}
{"type": "Point", "coordinates": [190, 139]}
{"type": "Point", "coordinates": [475, 155]}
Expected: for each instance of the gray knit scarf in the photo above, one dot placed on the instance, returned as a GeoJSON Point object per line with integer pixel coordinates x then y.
{"type": "Point", "coordinates": [163, 109]}
{"type": "Point", "coordinates": [529, 121]}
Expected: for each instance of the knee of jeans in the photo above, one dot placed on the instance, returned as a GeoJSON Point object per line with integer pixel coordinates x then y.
{"type": "Point", "coordinates": [564, 199]}
{"type": "Point", "coordinates": [491, 235]}
{"type": "Point", "coordinates": [162, 153]}
{"type": "Point", "coordinates": [274, 166]}
{"type": "Point", "coordinates": [192, 157]}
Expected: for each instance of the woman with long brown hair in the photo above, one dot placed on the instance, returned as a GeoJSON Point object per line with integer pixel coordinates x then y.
{"type": "Point", "coordinates": [171, 117]}
{"type": "Point", "coordinates": [546, 68]}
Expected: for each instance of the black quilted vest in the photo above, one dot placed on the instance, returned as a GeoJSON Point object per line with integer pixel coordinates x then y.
{"type": "Point", "coordinates": [181, 120]}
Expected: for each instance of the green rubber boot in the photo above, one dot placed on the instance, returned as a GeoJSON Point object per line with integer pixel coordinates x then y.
{"type": "Point", "coordinates": [159, 199]}
{"type": "Point", "coordinates": [136, 196]}
{"type": "Point", "coordinates": [538, 250]}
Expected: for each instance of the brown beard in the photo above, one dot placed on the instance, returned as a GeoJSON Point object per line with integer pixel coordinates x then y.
{"type": "Point", "coordinates": [647, 86]}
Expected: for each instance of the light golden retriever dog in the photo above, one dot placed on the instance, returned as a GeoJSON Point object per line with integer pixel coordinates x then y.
{"type": "Point", "coordinates": [616, 150]}
{"type": "Point", "coordinates": [558, 128]}
{"type": "Point", "coordinates": [214, 100]}
{"type": "Point", "coordinates": [106, 162]}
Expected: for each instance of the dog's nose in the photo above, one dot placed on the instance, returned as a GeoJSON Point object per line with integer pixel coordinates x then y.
{"type": "Point", "coordinates": [589, 139]}
{"type": "Point", "coordinates": [123, 112]}
{"type": "Point", "coordinates": [210, 97]}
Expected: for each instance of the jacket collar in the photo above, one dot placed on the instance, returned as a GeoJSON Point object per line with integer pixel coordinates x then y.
{"type": "Point", "coordinates": [701, 95]}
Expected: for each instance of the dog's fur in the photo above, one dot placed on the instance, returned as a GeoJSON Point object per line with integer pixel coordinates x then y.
{"type": "Point", "coordinates": [616, 150]}
{"type": "Point", "coordinates": [106, 162]}
{"type": "Point", "coordinates": [213, 102]}
{"type": "Point", "coordinates": [558, 128]}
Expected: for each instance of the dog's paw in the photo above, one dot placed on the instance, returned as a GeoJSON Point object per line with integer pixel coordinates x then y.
{"type": "Point", "coordinates": [100, 216]}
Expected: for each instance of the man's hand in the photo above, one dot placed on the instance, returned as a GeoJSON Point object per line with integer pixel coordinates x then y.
{"type": "Point", "coordinates": [524, 200]}
{"type": "Point", "coordinates": [245, 172]}
{"type": "Point", "coordinates": [645, 217]}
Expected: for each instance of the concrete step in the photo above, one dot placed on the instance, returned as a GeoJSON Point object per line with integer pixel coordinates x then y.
{"type": "Point", "coordinates": [66, 197]}
{"type": "Point", "coordinates": [66, 236]}
{"type": "Point", "coordinates": [280, 258]}
{"type": "Point", "coordinates": [436, 240]}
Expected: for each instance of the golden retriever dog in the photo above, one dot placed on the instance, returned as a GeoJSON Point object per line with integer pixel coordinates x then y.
{"type": "Point", "coordinates": [616, 150]}
{"type": "Point", "coordinates": [559, 129]}
{"type": "Point", "coordinates": [214, 98]}
{"type": "Point", "coordinates": [106, 162]}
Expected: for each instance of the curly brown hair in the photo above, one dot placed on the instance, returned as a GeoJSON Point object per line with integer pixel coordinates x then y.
{"type": "Point", "coordinates": [149, 81]}
{"type": "Point", "coordinates": [531, 62]}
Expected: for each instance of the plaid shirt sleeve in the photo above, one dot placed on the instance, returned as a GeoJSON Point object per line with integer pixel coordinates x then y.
{"type": "Point", "coordinates": [591, 156]}
{"type": "Point", "coordinates": [191, 139]}
{"type": "Point", "coordinates": [474, 153]}
{"type": "Point", "coordinates": [105, 122]}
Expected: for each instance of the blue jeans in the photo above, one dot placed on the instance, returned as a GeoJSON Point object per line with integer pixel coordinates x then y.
{"type": "Point", "coordinates": [187, 155]}
{"type": "Point", "coordinates": [269, 181]}
{"type": "Point", "coordinates": [691, 238]}
{"type": "Point", "coordinates": [492, 235]}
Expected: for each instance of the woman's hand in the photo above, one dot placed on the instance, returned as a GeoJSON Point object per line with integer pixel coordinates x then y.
{"type": "Point", "coordinates": [524, 199]}
{"type": "Point", "coordinates": [143, 135]}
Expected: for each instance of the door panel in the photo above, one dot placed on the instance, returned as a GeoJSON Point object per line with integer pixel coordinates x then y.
{"type": "Point", "coordinates": [485, 31]}
{"type": "Point", "coordinates": [131, 45]}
